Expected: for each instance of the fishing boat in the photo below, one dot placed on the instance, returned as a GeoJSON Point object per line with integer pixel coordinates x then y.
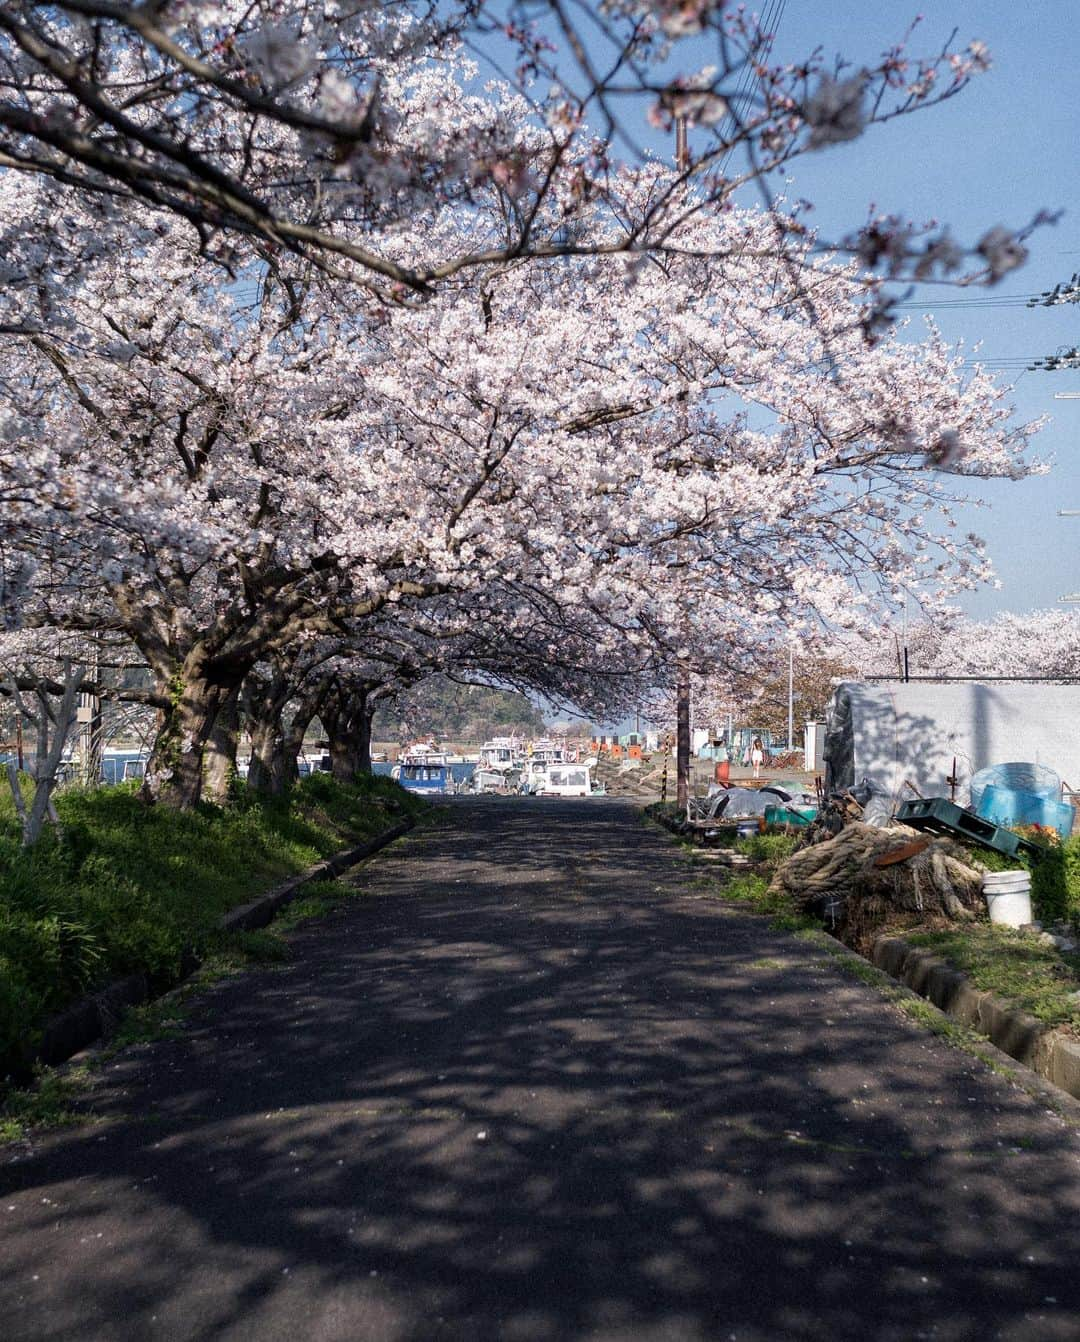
{"type": "Point", "coordinates": [423, 752]}
{"type": "Point", "coordinates": [501, 753]}
{"type": "Point", "coordinates": [566, 780]}
{"type": "Point", "coordinates": [546, 751]}
{"type": "Point", "coordinates": [533, 776]}
{"type": "Point", "coordinates": [433, 779]}
{"type": "Point", "coordinates": [498, 766]}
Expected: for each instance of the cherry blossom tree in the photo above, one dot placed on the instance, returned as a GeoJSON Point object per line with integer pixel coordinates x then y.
{"type": "Point", "coordinates": [1043, 644]}
{"type": "Point", "coordinates": [316, 128]}
{"type": "Point", "coordinates": [604, 466]}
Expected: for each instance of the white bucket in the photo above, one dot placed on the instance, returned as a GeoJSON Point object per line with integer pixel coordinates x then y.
{"type": "Point", "coordinates": [1006, 880]}
{"type": "Point", "coordinates": [1008, 897]}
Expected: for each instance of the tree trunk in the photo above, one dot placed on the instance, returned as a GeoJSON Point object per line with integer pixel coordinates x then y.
{"type": "Point", "coordinates": [265, 742]}
{"type": "Point", "coordinates": [344, 762]}
{"type": "Point", "coordinates": [174, 771]}
{"type": "Point", "coordinates": [219, 759]}
{"type": "Point", "coordinates": [347, 718]}
{"type": "Point", "coordinates": [292, 742]}
{"type": "Point", "coordinates": [53, 727]}
{"type": "Point", "coordinates": [363, 739]}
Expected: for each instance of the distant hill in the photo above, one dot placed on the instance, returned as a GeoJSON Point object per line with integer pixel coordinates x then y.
{"type": "Point", "coordinates": [448, 711]}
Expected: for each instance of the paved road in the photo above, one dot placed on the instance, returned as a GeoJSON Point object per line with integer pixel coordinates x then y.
{"type": "Point", "coordinates": [542, 1086]}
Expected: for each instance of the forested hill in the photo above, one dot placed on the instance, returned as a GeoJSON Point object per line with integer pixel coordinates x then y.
{"type": "Point", "coordinates": [449, 711]}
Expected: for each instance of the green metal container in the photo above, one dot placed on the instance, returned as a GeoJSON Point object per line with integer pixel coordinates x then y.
{"type": "Point", "coordinates": [789, 815]}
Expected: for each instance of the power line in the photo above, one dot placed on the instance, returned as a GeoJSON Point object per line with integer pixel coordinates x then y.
{"type": "Point", "coordinates": [1066, 292]}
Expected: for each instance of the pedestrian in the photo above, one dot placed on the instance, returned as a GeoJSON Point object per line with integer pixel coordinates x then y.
{"type": "Point", "coordinates": [757, 756]}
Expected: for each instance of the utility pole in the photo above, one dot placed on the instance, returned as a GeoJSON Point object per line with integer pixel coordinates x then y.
{"type": "Point", "coordinates": [682, 736]}
{"type": "Point", "coordinates": [790, 699]}
{"type": "Point", "coordinates": [88, 716]}
{"type": "Point", "coordinates": [682, 145]}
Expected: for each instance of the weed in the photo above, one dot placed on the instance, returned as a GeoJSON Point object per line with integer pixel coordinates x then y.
{"type": "Point", "coordinates": [770, 848]}
{"type": "Point", "coordinates": [1021, 969]}
{"type": "Point", "coordinates": [858, 968]}
{"type": "Point", "coordinates": [792, 921]}
{"type": "Point", "coordinates": [47, 1102]}
{"type": "Point", "coordinates": [319, 898]}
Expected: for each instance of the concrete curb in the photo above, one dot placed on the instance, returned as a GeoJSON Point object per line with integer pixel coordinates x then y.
{"type": "Point", "coordinates": [97, 1014]}
{"type": "Point", "coordinates": [1048, 1052]}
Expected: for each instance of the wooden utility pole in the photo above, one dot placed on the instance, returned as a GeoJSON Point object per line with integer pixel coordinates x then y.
{"type": "Point", "coordinates": [682, 737]}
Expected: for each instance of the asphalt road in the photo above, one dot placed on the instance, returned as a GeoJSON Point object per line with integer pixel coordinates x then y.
{"type": "Point", "coordinates": [541, 1084]}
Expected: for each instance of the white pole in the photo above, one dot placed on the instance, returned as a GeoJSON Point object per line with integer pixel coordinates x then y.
{"type": "Point", "coordinates": [791, 698]}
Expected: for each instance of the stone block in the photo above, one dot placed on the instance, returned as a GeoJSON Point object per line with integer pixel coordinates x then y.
{"type": "Point", "coordinates": [889, 954]}
{"type": "Point", "coordinates": [1064, 1064]}
{"type": "Point", "coordinates": [943, 985]}
{"type": "Point", "coordinates": [1014, 1032]}
{"type": "Point", "coordinates": [918, 968]}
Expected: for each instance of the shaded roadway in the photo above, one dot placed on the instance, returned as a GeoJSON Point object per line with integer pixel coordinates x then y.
{"type": "Point", "coordinates": [542, 1084]}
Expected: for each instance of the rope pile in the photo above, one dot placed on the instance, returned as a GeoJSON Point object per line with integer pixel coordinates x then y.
{"type": "Point", "coordinates": [865, 876]}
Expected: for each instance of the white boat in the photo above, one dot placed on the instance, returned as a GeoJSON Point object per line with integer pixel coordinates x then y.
{"type": "Point", "coordinates": [500, 753]}
{"type": "Point", "coordinates": [566, 780]}
{"type": "Point", "coordinates": [119, 765]}
{"type": "Point", "coordinates": [533, 776]}
{"type": "Point", "coordinates": [423, 752]}
{"type": "Point", "coordinates": [483, 779]}
{"type": "Point", "coordinates": [546, 751]}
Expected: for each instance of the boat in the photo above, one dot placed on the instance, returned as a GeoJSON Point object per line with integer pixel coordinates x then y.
{"type": "Point", "coordinates": [546, 751]}
{"type": "Point", "coordinates": [432, 779]}
{"type": "Point", "coordinates": [498, 766]}
{"type": "Point", "coordinates": [120, 765]}
{"type": "Point", "coordinates": [423, 752]}
{"type": "Point", "coordinates": [533, 776]}
{"type": "Point", "coordinates": [500, 753]}
{"type": "Point", "coordinates": [566, 780]}
{"type": "Point", "coordinates": [493, 780]}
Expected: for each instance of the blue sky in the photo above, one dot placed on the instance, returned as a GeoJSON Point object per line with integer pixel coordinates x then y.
{"type": "Point", "coordinates": [997, 153]}
{"type": "Point", "coordinates": [1003, 149]}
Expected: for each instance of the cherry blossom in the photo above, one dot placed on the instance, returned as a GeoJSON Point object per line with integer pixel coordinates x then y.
{"type": "Point", "coordinates": [318, 130]}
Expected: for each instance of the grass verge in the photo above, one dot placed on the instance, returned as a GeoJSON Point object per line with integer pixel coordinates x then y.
{"type": "Point", "coordinates": [1018, 968]}
{"type": "Point", "coordinates": [57, 1097]}
{"type": "Point", "coordinates": [1021, 970]}
{"type": "Point", "coordinates": [132, 889]}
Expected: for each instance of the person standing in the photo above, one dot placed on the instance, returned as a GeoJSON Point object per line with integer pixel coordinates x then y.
{"type": "Point", "coordinates": [757, 756]}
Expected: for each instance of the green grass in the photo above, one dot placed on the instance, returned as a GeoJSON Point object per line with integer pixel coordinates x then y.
{"type": "Point", "coordinates": [1034, 976]}
{"type": "Point", "coordinates": [49, 1102]}
{"type": "Point", "coordinates": [769, 847]}
{"type": "Point", "coordinates": [131, 888]}
{"type": "Point", "coordinates": [319, 898]}
{"type": "Point", "coordinates": [1055, 876]}
{"type": "Point", "coordinates": [753, 890]}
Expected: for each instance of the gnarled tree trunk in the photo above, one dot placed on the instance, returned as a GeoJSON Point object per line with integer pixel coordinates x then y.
{"type": "Point", "coordinates": [219, 756]}
{"type": "Point", "coordinates": [196, 692]}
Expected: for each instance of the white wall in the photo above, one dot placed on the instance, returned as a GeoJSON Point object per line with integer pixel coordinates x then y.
{"type": "Point", "coordinates": [912, 731]}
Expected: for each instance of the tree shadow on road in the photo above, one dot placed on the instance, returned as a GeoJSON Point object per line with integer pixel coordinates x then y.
{"type": "Point", "coordinates": [535, 1088]}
